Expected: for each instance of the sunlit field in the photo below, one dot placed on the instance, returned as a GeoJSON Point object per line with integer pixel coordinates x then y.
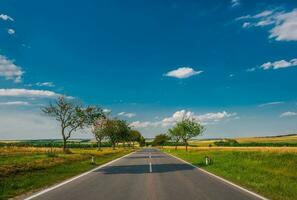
{"type": "Point", "coordinates": [214, 148]}
{"type": "Point", "coordinates": [24, 169]}
{"type": "Point", "coordinates": [251, 141]}
{"type": "Point", "coordinates": [289, 139]}
{"type": "Point", "coordinates": [270, 171]}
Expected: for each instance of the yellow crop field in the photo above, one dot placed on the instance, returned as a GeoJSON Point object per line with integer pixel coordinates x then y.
{"type": "Point", "coordinates": [266, 149]}
{"type": "Point", "coordinates": [291, 139]}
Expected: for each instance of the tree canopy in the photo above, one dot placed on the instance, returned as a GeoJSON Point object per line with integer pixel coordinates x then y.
{"type": "Point", "coordinates": [71, 116]}
{"type": "Point", "coordinates": [160, 139]}
{"type": "Point", "coordinates": [184, 130]}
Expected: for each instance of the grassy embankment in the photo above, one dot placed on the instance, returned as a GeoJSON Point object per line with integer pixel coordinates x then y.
{"type": "Point", "coordinates": [24, 169]}
{"type": "Point", "coordinates": [270, 171]}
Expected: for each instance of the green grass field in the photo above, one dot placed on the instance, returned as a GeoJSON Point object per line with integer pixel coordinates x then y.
{"type": "Point", "coordinates": [272, 174]}
{"type": "Point", "coordinates": [27, 169]}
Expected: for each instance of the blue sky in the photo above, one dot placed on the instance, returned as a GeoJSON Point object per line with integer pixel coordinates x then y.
{"type": "Point", "coordinates": [230, 64]}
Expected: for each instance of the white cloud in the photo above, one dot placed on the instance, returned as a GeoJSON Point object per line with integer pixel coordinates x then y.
{"type": "Point", "coordinates": [264, 13]}
{"type": "Point", "coordinates": [246, 24]}
{"type": "Point", "coordinates": [279, 64]}
{"type": "Point", "coordinates": [125, 114]}
{"type": "Point", "coordinates": [28, 93]}
{"type": "Point", "coordinates": [243, 17]}
{"type": "Point", "coordinates": [139, 124]}
{"type": "Point", "coordinates": [214, 117]}
{"type": "Point", "coordinates": [46, 84]}
{"type": "Point", "coordinates": [9, 70]}
{"type": "Point", "coordinates": [235, 3]}
{"type": "Point", "coordinates": [271, 103]}
{"type": "Point", "coordinates": [183, 72]}
{"type": "Point", "coordinates": [106, 110]}
{"type": "Point", "coordinates": [264, 23]}
{"type": "Point", "coordinates": [285, 27]}
{"type": "Point", "coordinates": [207, 118]}
{"type": "Point", "coordinates": [266, 65]}
{"type": "Point", "coordinates": [6, 17]}
{"type": "Point", "coordinates": [11, 31]}
{"type": "Point", "coordinates": [177, 116]}
{"type": "Point", "coordinates": [251, 69]}
{"type": "Point", "coordinates": [15, 103]}
{"type": "Point", "coordinates": [288, 114]}
{"type": "Point", "coordinates": [284, 24]}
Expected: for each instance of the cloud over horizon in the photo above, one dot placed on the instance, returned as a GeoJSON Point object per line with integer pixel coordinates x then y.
{"type": "Point", "coordinates": [28, 93]}
{"type": "Point", "coordinates": [9, 70]}
{"type": "Point", "coordinates": [207, 118]}
{"type": "Point", "coordinates": [288, 114]}
{"type": "Point", "coordinates": [15, 103]}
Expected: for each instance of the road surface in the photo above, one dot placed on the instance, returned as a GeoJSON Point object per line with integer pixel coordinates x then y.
{"type": "Point", "coordinates": [147, 175]}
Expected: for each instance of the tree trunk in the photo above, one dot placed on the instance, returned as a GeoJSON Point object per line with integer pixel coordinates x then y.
{"type": "Point", "coordinates": [113, 146]}
{"type": "Point", "coordinates": [64, 140]}
{"type": "Point", "coordinates": [186, 146]}
{"type": "Point", "coordinates": [99, 145]}
{"type": "Point", "coordinates": [175, 147]}
{"type": "Point", "coordinates": [64, 145]}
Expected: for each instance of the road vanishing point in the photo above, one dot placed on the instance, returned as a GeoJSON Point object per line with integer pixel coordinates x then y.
{"type": "Point", "coordinates": [147, 174]}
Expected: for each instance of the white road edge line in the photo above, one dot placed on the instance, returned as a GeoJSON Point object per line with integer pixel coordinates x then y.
{"type": "Point", "coordinates": [151, 170]}
{"type": "Point", "coordinates": [220, 178]}
{"type": "Point", "coordinates": [76, 177]}
{"type": "Point", "coordinates": [150, 156]}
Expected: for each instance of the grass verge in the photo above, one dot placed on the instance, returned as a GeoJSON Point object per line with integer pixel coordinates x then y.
{"type": "Point", "coordinates": [23, 173]}
{"type": "Point", "coordinates": [271, 174]}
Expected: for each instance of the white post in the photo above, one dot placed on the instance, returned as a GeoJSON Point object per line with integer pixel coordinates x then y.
{"type": "Point", "coordinates": [206, 160]}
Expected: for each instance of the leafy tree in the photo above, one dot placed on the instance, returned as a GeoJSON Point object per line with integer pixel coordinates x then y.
{"type": "Point", "coordinates": [109, 129]}
{"type": "Point", "coordinates": [175, 134]}
{"type": "Point", "coordinates": [135, 136]}
{"type": "Point", "coordinates": [71, 115]}
{"type": "Point", "coordinates": [141, 141]}
{"type": "Point", "coordinates": [98, 132]}
{"type": "Point", "coordinates": [115, 130]}
{"type": "Point", "coordinates": [189, 128]}
{"type": "Point", "coordinates": [160, 140]}
{"type": "Point", "coordinates": [123, 131]}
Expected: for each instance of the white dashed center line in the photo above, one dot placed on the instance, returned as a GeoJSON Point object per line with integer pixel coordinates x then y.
{"type": "Point", "coordinates": [150, 156]}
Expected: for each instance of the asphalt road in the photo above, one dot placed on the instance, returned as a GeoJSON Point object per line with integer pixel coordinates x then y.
{"type": "Point", "coordinates": [147, 175]}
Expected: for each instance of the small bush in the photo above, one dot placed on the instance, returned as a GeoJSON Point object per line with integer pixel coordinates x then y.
{"type": "Point", "coordinates": [227, 142]}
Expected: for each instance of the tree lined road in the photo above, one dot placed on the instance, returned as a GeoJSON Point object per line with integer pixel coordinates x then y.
{"type": "Point", "coordinates": [147, 174]}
